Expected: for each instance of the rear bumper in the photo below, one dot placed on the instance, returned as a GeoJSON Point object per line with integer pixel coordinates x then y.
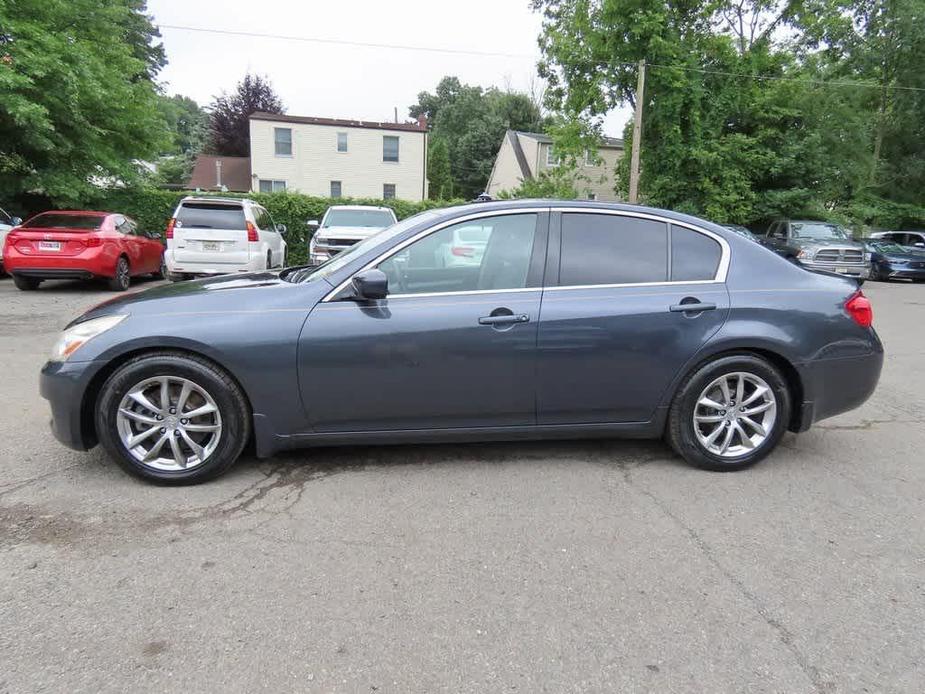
{"type": "Point", "coordinates": [834, 386]}
{"type": "Point", "coordinates": [254, 263]}
{"type": "Point", "coordinates": [64, 386]}
{"type": "Point", "coordinates": [94, 262]}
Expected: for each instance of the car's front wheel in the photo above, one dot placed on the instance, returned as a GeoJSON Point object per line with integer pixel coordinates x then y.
{"type": "Point", "coordinates": [172, 418]}
{"type": "Point", "coordinates": [729, 413]}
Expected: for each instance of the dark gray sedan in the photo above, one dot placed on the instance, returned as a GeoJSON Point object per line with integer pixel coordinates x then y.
{"type": "Point", "coordinates": [580, 319]}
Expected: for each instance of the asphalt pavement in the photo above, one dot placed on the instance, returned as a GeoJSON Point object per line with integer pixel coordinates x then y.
{"type": "Point", "coordinates": [532, 567]}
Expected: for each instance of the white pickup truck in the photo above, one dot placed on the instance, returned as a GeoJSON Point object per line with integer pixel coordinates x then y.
{"type": "Point", "coordinates": [344, 225]}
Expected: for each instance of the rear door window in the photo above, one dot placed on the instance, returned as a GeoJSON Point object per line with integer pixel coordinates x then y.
{"type": "Point", "coordinates": [206, 215]}
{"type": "Point", "coordinates": [694, 256]}
{"type": "Point", "coordinates": [612, 249]}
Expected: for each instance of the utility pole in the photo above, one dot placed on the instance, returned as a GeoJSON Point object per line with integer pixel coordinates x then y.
{"type": "Point", "coordinates": [637, 134]}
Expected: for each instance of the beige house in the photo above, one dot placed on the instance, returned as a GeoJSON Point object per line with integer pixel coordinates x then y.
{"type": "Point", "coordinates": [335, 158]}
{"type": "Point", "coordinates": [523, 156]}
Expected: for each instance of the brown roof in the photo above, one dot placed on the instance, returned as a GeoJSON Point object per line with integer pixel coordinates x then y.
{"type": "Point", "coordinates": [419, 127]}
{"type": "Point", "coordinates": [236, 173]}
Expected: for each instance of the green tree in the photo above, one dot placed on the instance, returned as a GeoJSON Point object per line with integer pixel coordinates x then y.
{"type": "Point", "coordinates": [229, 124]}
{"type": "Point", "coordinates": [187, 123]}
{"type": "Point", "coordinates": [472, 122]}
{"type": "Point", "coordinates": [78, 99]}
{"type": "Point", "coordinates": [738, 125]}
{"type": "Point", "coordinates": [439, 178]}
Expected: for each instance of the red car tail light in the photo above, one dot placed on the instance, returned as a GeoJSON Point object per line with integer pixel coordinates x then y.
{"type": "Point", "coordinates": [859, 308]}
{"type": "Point", "coordinates": [170, 226]}
{"type": "Point", "coordinates": [93, 241]}
{"type": "Point", "coordinates": [463, 251]}
{"type": "Point", "coordinates": [252, 232]}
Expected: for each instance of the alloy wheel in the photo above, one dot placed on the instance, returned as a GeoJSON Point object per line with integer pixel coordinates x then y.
{"type": "Point", "coordinates": [735, 414]}
{"type": "Point", "coordinates": [169, 423]}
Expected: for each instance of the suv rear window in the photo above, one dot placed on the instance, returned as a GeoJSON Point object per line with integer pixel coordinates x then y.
{"type": "Point", "coordinates": [208, 215]}
{"type": "Point", "coordinates": [64, 221]}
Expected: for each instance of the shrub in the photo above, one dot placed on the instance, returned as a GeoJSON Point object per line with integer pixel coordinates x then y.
{"type": "Point", "coordinates": [152, 207]}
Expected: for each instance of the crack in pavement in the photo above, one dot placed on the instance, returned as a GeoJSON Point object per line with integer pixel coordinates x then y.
{"type": "Point", "coordinates": [784, 635]}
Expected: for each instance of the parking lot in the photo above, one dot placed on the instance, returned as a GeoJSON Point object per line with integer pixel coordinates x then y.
{"type": "Point", "coordinates": [540, 567]}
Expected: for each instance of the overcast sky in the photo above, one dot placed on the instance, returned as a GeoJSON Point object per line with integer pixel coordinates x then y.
{"type": "Point", "coordinates": [339, 81]}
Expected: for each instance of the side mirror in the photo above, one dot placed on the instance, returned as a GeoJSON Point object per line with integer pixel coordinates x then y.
{"type": "Point", "coordinates": [16, 221]}
{"type": "Point", "coordinates": [281, 228]}
{"type": "Point", "coordinates": [918, 245]}
{"type": "Point", "coordinates": [313, 224]}
{"type": "Point", "coordinates": [155, 235]}
{"type": "Point", "coordinates": [371, 284]}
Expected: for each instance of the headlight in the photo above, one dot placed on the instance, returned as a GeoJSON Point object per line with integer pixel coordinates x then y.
{"type": "Point", "coordinates": [803, 254]}
{"type": "Point", "coordinates": [867, 257]}
{"type": "Point", "coordinates": [77, 335]}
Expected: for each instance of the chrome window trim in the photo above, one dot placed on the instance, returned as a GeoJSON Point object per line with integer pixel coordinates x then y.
{"type": "Point", "coordinates": [722, 269]}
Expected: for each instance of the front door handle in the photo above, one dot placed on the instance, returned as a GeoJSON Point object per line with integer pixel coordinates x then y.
{"type": "Point", "coordinates": [504, 319]}
{"type": "Point", "coordinates": [692, 307]}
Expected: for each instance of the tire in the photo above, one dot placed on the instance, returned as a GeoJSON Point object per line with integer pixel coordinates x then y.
{"type": "Point", "coordinates": [231, 415]}
{"type": "Point", "coordinates": [122, 279]}
{"type": "Point", "coordinates": [26, 284]}
{"type": "Point", "coordinates": [687, 441]}
{"type": "Point", "coordinates": [176, 277]}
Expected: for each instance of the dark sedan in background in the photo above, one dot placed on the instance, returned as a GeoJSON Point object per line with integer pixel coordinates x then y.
{"type": "Point", "coordinates": [580, 319]}
{"type": "Point", "coordinates": [890, 261]}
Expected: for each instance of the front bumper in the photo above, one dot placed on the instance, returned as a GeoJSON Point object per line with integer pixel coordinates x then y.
{"type": "Point", "coordinates": [64, 385]}
{"type": "Point", "coordinates": [902, 272]}
{"type": "Point", "coordinates": [859, 271]}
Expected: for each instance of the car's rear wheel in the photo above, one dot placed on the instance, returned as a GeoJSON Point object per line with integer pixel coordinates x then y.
{"type": "Point", "coordinates": [172, 418]}
{"type": "Point", "coordinates": [27, 284]}
{"type": "Point", "coordinates": [162, 269]}
{"type": "Point", "coordinates": [729, 413]}
{"type": "Point", "coordinates": [122, 279]}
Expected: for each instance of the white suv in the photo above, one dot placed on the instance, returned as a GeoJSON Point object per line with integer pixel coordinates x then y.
{"type": "Point", "coordinates": [344, 225]}
{"type": "Point", "coordinates": [218, 236]}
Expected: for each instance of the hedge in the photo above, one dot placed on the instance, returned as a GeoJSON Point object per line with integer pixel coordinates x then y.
{"type": "Point", "coordinates": [152, 207]}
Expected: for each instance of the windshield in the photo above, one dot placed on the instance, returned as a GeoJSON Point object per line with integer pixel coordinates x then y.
{"type": "Point", "coordinates": [358, 218]}
{"type": "Point", "coordinates": [886, 247]}
{"type": "Point", "coordinates": [820, 231]}
{"type": "Point", "coordinates": [77, 222]}
{"type": "Point", "coordinates": [210, 215]}
{"type": "Point", "coordinates": [344, 257]}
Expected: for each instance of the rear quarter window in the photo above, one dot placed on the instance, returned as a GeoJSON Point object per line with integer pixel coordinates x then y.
{"type": "Point", "coordinates": [204, 215]}
{"type": "Point", "coordinates": [611, 249]}
{"type": "Point", "coordinates": [694, 256]}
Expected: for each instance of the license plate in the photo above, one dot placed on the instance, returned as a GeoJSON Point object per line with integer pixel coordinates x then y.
{"type": "Point", "coordinates": [211, 246]}
{"type": "Point", "coordinates": [49, 245]}
{"type": "Point", "coordinates": [843, 270]}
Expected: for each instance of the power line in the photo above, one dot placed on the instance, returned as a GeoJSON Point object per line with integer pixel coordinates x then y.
{"type": "Point", "coordinates": [341, 42]}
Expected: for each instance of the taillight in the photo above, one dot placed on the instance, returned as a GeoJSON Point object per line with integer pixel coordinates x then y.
{"type": "Point", "coordinates": [463, 251]}
{"type": "Point", "coordinates": [93, 241]}
{"type": "Point", "coordinates": [252, 232]}
{"type": "Point", "coordinates": [170, 226]}
{"type": "Point", "coordinates": [859, 308]}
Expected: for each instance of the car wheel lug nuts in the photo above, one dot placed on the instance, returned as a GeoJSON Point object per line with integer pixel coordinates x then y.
{"type": "Point", "coordinates": [163, 430]}
{"type": "Point", "coordinates": [173, 410]}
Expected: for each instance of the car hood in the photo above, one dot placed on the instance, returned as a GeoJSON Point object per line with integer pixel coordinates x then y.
{"type": "Point", "coordinates": [226, 292]}
{"type": "Point", "coordinates": [347, 232]}
{"type": "Point", "coordinates": [902, 257]}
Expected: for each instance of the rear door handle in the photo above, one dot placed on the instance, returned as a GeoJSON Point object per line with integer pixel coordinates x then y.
{"type": "Point", "coordinates": [692, 307]}
{"type": "Point", "coordinates": [504, 319]}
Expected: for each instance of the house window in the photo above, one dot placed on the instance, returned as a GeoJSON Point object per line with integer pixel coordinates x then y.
{"type": "Point", "coordinates": [388, 191]}
{"type": "Point", "coordinates": [590, 158]}
{"type": "Point", "coordinates": [282, 138]}
{"type": "Point", "coordinates": [341, 142]}
{"type": "Point", "coordinates": [270, 186]}
{"type": "Point", "coordinates": [335, 189]}
{"type": "Point", "coordinates": [389, 148]}
{"type": "Point", "coordinates": [592, 196]}
{"type": "Point", "coordinates": [552, 159]}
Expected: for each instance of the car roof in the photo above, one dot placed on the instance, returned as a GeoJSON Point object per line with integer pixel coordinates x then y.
{"type": "Point", "coordinates": [221, 201]}
{"type": "Point", "coordinates": [382, 208]}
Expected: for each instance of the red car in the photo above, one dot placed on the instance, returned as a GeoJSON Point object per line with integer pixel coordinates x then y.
{"type": "Point", "coordinates": [81, 245]}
